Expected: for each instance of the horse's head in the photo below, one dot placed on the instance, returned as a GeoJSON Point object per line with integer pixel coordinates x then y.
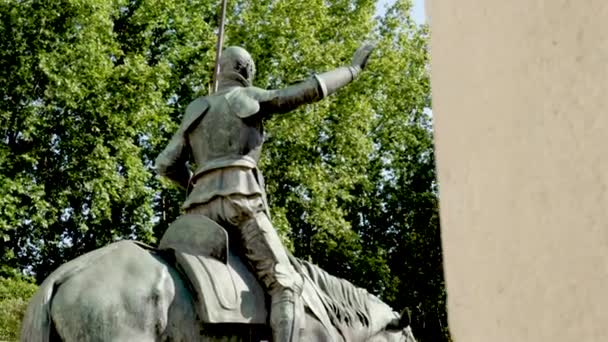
{"type": "Point", "coordinates": [397, 330]}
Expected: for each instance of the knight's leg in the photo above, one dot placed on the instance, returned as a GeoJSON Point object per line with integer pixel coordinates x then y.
{"type": "Point", "coordinates": [213, 209]}
{"type": "Point", "coordinates": [224, 212]}
{"type": "Point", "coordinates": [268, 257]}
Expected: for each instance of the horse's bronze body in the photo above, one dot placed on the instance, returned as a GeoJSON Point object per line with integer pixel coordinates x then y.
{"type": "Point", "coordinates": [127, 291]}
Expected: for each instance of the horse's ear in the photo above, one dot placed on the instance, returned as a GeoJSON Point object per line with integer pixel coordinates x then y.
{"type": "Point", "coordinates": [404, 321]}
{"type": "Point", "coordinates": [406, 318]}
{"type": "Point", "coordinates": [394, 325]}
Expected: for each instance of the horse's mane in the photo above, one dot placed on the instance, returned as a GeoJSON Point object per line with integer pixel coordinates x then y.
{"type": "Point", "coordinates": [344, 302]}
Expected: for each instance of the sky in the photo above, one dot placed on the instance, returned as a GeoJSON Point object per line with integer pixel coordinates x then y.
{"type": "Point", "coordinates": [418, 12]}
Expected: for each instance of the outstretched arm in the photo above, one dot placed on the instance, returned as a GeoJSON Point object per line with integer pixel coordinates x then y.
{"type": "Point", "coordinates": [333, 80]}
{"type": "Point", "coordinates": [317, 87]}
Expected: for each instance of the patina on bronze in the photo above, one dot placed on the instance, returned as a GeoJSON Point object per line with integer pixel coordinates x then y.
{"type": "Point", "coordinates": [127, 291]}
{"type": "Point", "coordinates": [223, 134]}
{"type": "Point", "coordinates": [196, 285]}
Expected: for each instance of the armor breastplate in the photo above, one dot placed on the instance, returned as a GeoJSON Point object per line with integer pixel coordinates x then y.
{"type": "Point", "coordinates": [223, 138]}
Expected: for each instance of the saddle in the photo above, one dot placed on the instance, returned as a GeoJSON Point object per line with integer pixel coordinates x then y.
{"type": "Point", "coordinates": [224, 288]}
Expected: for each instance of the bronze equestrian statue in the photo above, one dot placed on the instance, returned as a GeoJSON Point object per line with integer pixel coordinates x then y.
{"type": "Point", "coordinates": [198, 284]}
{"type": "Point", "coordinates": [223, 133]}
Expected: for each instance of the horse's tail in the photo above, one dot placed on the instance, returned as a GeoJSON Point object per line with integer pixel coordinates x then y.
{"type": "Point", "coordinates": [37, 325]}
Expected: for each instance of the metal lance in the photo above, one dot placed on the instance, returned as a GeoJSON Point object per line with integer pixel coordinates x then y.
{"type": "Point", "coordinates": [220, 43]}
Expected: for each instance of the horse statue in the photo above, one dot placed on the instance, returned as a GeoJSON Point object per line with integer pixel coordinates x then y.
{"type": "Point", "coordinates": [129, 291]}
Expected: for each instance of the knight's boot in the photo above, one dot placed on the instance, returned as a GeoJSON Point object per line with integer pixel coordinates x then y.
{"type": "Point", "coordinates": [286, 316]}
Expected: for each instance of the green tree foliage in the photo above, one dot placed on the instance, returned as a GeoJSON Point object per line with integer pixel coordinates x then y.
{"type": "Point", "coordinates": [14, 295]}
{"type": "Point", "coordinates": [94, 88]}
{"type": "Point", "coordinates": [88, 86]}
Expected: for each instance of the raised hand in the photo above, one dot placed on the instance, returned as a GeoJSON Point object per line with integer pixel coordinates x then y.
{"type": "Point", "coordinates": [362, 54]}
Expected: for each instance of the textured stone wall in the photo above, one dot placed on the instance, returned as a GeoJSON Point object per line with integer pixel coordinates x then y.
{"type": "Point", "coordinates": [520, 100]}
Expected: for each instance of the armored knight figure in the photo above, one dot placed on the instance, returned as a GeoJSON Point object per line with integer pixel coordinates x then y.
{"type": "Point", "coordinates": [223, 134]}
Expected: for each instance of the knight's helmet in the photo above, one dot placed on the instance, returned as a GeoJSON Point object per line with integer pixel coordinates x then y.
{"type": "Point", "coordinates": [236, 64]}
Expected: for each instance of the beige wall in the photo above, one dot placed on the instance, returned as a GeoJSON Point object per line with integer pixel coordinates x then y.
{"type": "Point", "coordinates": [520, 91]}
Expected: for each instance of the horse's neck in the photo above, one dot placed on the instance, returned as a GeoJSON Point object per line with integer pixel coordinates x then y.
{"type": "Point", "coordinates": [378, 313]}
